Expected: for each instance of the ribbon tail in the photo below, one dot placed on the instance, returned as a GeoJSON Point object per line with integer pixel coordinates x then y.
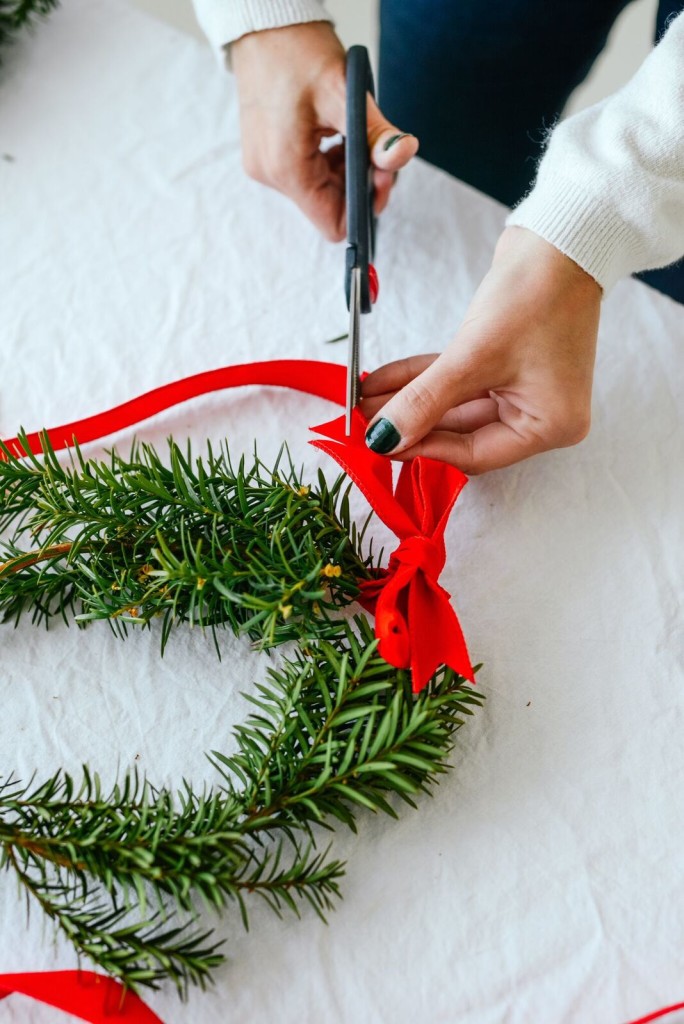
{"type": "Point", "coordinates": [436, 634]}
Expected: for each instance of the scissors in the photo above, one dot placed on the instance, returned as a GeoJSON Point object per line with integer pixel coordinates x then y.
{"type": "Point", "coordinates": [360, 278]}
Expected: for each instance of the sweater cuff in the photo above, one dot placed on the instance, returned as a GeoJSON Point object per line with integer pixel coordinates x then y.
{"type": "Point", "coordinates": [581, 226]}
{"type": "Point", "coordinates": [224, 21]}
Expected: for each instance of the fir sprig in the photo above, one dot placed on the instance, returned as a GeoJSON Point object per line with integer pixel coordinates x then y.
{"type": "Point", "coordinates": [16, 14]}
{"type": "Point", "coordinates": [197, 541]}
{"type": "Point", "coordinates": [333, 731]}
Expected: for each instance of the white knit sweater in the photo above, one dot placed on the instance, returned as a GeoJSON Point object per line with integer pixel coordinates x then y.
{"type": "Point", "coordinates": [224, 21]}
{"type": "Point", "coordinates": [610, 187]}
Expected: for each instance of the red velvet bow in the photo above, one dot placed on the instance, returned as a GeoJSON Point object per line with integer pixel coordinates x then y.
{"type": "Point", "coordinates": [415, 623]}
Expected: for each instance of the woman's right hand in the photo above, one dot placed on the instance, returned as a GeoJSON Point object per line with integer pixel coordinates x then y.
{"type": "Point", "coordinates": [291, 84]}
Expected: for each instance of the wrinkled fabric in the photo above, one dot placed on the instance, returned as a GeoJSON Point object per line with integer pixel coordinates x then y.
{"type": "Point", "coordinates": [543, 880]}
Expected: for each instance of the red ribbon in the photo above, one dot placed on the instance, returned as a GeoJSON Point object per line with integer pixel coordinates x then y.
{"type": "Point", "coordinates": [99, 999]}
{"type": "Point", "coordinates": [92, 997]}
{"type": "Point", "coordinates": [327, 380]}
{"type": "Point", "coordinates": [658, 1014]}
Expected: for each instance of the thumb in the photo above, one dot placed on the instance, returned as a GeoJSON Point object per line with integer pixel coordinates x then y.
{"type": "Point", "coordinates": [412, 412]}
{"type": "Point", "coordinates": [390, 148]}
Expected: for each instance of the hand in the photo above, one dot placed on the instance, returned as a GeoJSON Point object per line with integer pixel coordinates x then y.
{"type": "Point", "coordinates": [291, 83]}
{"type": "Point", "coordinates": [516, 380]}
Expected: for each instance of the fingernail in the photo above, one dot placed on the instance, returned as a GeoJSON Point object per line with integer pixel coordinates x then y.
{"type": "Point", "coordinates": [382, 437]}
{"type": "Point", "coordinates": [393, 139]}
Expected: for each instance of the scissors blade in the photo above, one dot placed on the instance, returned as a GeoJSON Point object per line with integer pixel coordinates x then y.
{"type": "Point", "coordinates": [354, 354]}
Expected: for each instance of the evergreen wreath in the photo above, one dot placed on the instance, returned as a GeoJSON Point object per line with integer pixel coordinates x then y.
{"type": "Point", "coordinates": [334, 732]}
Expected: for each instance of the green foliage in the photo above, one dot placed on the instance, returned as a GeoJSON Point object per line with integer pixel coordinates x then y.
{"type": "Point", "coordinates": [333, 732]}
{"type": "Point", "coordinates": [15, 14]}
{"type": "Point", "coordinates": [199, 541]}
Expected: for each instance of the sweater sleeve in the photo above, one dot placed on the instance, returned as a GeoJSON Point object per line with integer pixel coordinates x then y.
{"type": "Point", "coordinates": [224, 21]}
{"type": "Point", "coordinates": [610, 187]}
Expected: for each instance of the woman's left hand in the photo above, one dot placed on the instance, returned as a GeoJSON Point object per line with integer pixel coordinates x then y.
{"type": "Point", "coordinates": [516, 380]}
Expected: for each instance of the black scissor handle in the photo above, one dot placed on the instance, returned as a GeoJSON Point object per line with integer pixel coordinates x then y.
{"type": "Point", "coordinates": [359, 179]}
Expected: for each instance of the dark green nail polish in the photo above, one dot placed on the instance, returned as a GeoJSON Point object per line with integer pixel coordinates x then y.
{"type": "Point", "coordinates": [394, 139]}
{"type": "Point", "coordinates": [382, 437]}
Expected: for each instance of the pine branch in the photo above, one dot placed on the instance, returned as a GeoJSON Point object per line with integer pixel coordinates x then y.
{"type": "Point", "coordinates": [200, 542]}
{"type": "Point", "coordinates": [16, 14]}
{"type": "Point", "coordinates": [334, 733]}
{"type": "Point", "coordinates": [308, 876]}
{"type": "Point", "coordinates": [90, 860]}
{"type": "Point", "coordinates": [132, 838]}
{"type": "Point", "coordinates": [140, 953]}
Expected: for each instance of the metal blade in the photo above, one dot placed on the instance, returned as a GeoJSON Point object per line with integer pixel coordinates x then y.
{"type": "Point", "coordinates": [354, 356]}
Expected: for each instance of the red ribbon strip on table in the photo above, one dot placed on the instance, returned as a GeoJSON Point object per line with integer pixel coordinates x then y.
{"type": "Point", "coordinates": [92, 997]}
{"type": "Point", "coordinates": [327, 380]}
{"type": "Point", "coordinates": [658, 1014]}
{"type": "Point", "coordinates": [99, 999]}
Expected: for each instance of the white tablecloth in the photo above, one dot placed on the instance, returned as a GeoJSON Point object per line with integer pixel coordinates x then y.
{"type": "Point", "coordinates": [544, 881]}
